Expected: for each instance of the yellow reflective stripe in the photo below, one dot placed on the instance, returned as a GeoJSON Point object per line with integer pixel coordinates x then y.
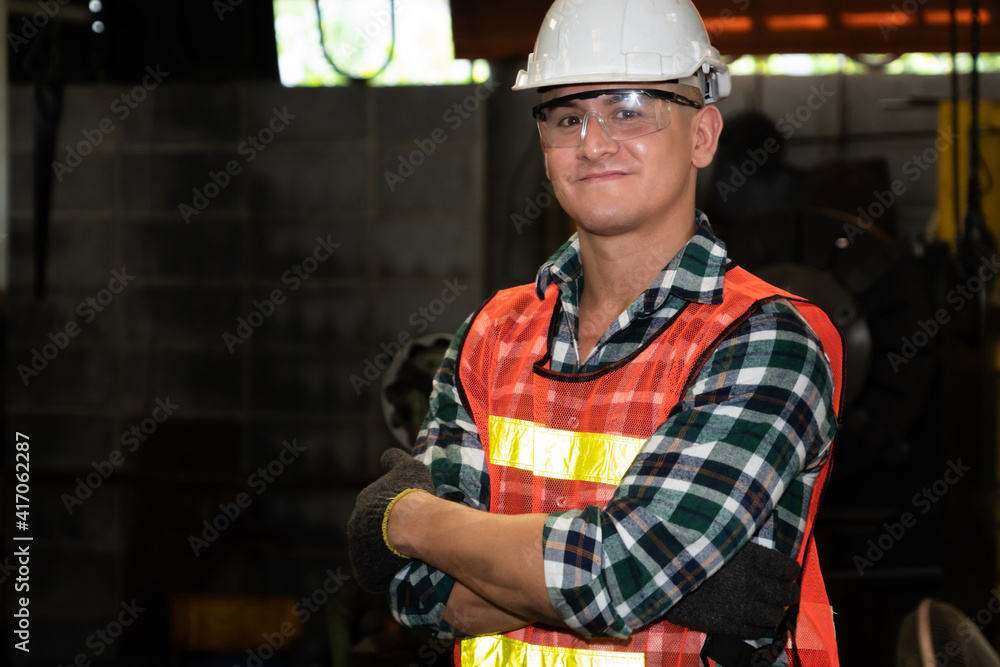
{"type": "Point", "coordinates": [500, 651]}
{"type": "Point", "coordinates": [550, 452]}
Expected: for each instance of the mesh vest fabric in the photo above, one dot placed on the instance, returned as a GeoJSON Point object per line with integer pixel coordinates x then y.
{"type": "Point", "coordinates": [557, 441]}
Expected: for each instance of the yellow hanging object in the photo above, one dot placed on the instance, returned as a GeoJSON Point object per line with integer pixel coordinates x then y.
{"type": "Point", "coordinates": [989, 148]}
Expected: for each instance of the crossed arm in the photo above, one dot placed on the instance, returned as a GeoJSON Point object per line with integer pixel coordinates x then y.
{"type": "Point", "coordinates": [498, 558]}
{"type": "Point", "coordinates": [735, 459]}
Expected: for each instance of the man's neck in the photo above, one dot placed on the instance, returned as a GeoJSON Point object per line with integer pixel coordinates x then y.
{"type": "Point", "coordinates": [619, 268]}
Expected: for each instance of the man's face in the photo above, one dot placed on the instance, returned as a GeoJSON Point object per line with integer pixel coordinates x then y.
{"type": "Point", "coordinates": [612, 186]}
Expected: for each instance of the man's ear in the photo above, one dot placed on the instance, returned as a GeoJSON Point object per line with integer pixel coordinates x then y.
{"type": "Point", "coordinates": [708, 127]}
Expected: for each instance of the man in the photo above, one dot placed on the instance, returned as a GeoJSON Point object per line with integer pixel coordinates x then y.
{"type": "Point", "coordinates": [606, 445]}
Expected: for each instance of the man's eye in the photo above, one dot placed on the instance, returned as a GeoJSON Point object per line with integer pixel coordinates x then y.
{"type": "Point", "coordinates": [567, 121]}
{"type": "Point", "coordinates": [629, 114]}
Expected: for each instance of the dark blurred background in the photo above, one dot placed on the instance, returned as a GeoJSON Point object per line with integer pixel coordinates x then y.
{"type": "Point", "coordinates": [208, 275]}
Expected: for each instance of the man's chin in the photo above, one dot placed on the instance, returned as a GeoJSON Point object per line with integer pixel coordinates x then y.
{"type": "Point", "coordinates": [606, 223]}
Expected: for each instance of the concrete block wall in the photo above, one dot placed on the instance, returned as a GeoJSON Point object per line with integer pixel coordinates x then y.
{"type": "Point", "coordinates": [158, 380]}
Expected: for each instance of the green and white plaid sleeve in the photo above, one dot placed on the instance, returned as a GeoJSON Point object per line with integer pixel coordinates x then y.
{"type": "Point", "coordinates": [736, 459]}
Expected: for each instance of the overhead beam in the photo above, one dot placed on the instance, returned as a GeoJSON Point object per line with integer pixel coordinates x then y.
{"type": "Point", "coordinates": [506, 29]}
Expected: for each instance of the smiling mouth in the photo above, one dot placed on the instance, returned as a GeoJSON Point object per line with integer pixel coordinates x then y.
{"type": "Point", "coordinates": [603, 176]}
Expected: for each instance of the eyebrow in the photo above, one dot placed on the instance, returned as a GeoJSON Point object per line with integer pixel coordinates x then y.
{"type": "Point", "coordinates": [617, 93]}
{"type": "Point", "coordinates": [559, 104]}
{"type": "Point", "coordinates": [614, 97]}
{"type": "Point", "coordinates": [618, 97]}
{"type": "Point", "coordinates": [660, 94]}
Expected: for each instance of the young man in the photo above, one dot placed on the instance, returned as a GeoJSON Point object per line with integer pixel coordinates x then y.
{"type": "Point", "coordinates": [609, 450]}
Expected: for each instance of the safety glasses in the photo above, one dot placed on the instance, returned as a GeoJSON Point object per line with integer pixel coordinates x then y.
{"type": "Point", "coordinates": [624, 113]}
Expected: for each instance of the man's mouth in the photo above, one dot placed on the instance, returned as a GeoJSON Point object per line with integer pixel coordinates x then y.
{"type": "Point", "coordinates": [602, 176]}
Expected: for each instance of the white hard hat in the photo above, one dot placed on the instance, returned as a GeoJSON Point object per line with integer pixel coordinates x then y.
{"type": "Point", "coordinates": [596, 41]}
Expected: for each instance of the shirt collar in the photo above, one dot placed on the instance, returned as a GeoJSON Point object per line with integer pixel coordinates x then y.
{"type": "Point", "coordinates": [696, 273]}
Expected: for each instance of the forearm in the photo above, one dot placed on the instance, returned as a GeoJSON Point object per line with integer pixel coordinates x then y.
{"type": "Point", "coordinates": [471, 614]}
{"type": "Point", "coordinates": [497, 557]}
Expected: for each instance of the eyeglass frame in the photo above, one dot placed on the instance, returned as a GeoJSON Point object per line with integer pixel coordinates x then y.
{"type": "Point", "coordinates": [539, 109]}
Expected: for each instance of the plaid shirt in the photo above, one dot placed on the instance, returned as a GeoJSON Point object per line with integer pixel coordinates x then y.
{"type": "Point", "coordinates": [761, 410]}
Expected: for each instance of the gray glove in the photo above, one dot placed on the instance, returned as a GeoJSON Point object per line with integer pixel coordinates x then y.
{"type": "Point", "coordinates": [374, 561]}
{"type": "Point", "coordinates": [745, 599]}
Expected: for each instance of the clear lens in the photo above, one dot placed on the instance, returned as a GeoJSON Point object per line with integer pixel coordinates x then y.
{"type": "Point", "coordinates": [621, 115]}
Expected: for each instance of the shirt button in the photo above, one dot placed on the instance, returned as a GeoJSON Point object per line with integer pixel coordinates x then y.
{"type": "Point", "coordinates": [561, 501]}
{"type": "Point", "coordinates": [573, 421]}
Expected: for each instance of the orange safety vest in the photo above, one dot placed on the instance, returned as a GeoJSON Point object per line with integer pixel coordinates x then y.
{"type": "Point", "coordinates": [558, 441]}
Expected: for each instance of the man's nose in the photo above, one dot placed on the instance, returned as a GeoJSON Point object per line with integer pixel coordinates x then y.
{"type": "Point", "coordinates": [595, 136]}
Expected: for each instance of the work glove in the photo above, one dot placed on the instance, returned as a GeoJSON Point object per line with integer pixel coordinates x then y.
{"type": "Point", "coordinates": [746, 598]}
{"type": "Point", "coordinates": [374, 560]}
